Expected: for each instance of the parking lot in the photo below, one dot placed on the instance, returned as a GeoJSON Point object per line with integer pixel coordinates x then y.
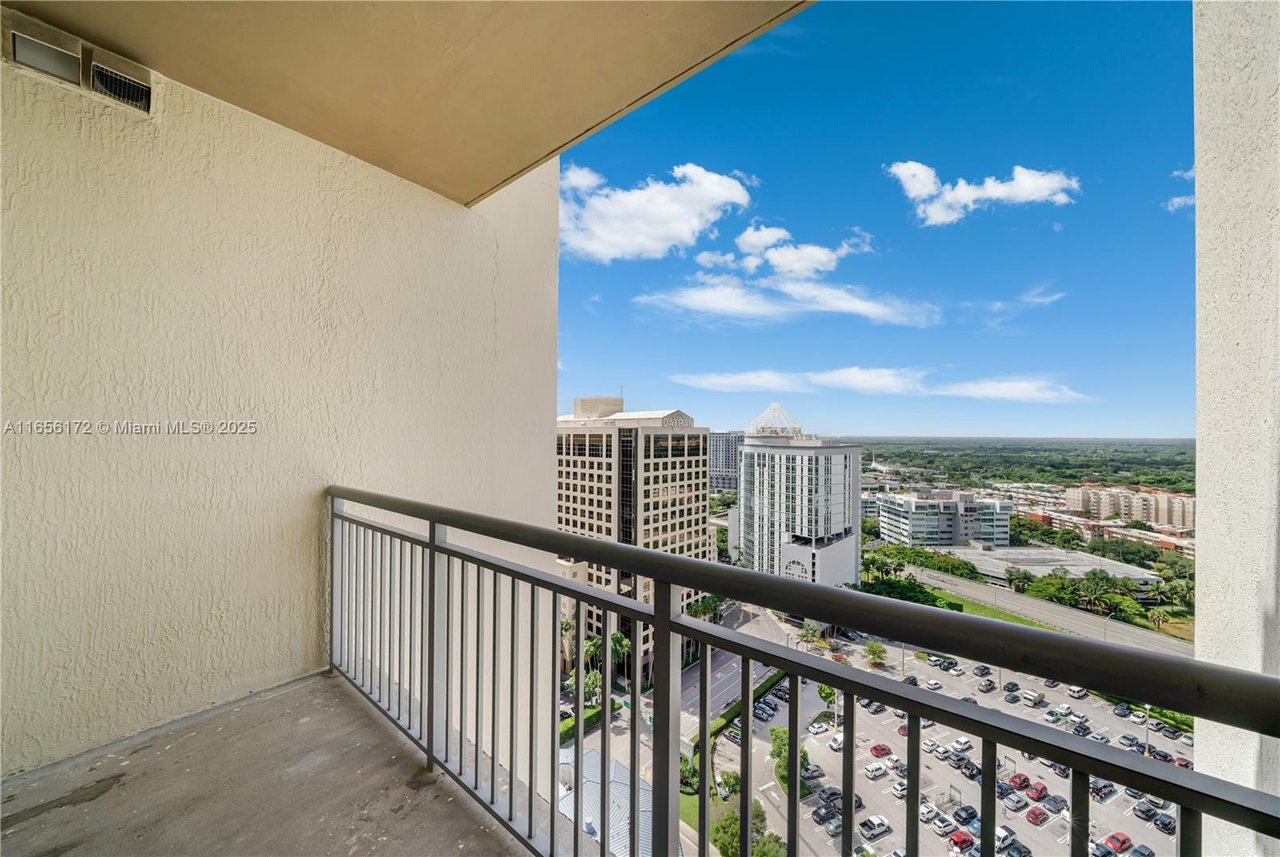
{"type": "Point", "coordinates": [946, 786]}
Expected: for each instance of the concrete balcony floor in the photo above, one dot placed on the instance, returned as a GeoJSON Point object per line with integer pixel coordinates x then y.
{"type": "Point", "coordinates": [308, 769]}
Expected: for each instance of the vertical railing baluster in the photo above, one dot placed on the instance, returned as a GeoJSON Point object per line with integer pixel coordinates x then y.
{"type": "Point", "coordinates": [335, 597]}
{"type": "Point", "coordinates": [606, 753]}
{"type": "Point", "coordinates": [532, 779]}
{"type": "Point", "coordinates": [704, 749]}
{"type": "Point", "coordinates": [405, 697]}
{"type": "Point", "coordinates": [462, 668]}
{"type": "Point", "coordinates": [513, 694]}
{"type": "Point", "coordinates": [394, 577]}
{"type": "Point", "coordinates": [849, 702]}
{"type": "Point", "coordinates": [745, 790]}
{"type": "Point", "coordinates": [1079, 813]}
{"type": "Point", "coordinates": [793, 766]}
{"type": "Point", "coordinates": [913, 784]}
{"type": "Point", "coordinates": [429, 642]}
{"type": "Point", "coordinates": [415, 630]}
{"type": "Point", "coordinates": [553, 796]}
{"type": "Point", "coordinates": [493, 692]}
{"type": "Point", "coordinates": [1190, 839]}
{"type": "Point", "coordinates": [358, 619]}
{"type": "Point", "coordinates": [666, 720]}
{"type": "Point", "coordinates": [987, 803]}
{"type": "Point", "coordinates": [447, 657]}
{"type": "Point", "coordinates": [634, 795]}
{"type": "Point", "coordinates": [478, 676]}
{"type": "Point", "coordinates": [579, 714]}
{"type": "Point", "coordinates": [380, 565]}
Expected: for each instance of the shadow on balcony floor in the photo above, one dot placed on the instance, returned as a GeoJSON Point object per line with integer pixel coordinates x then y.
{"type": "Point", "coordinates": [306, 769]}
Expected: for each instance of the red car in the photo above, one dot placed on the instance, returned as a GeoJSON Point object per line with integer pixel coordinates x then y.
{"type": "Point", "coordinates": [1184, 762]}
{"type": "Point", "coordinates": [902, 730]}
{"type": "Point", "coordinates": [880, 750]}
{"type": "Point", "coordinates": [960, 840]}
{"type": "Point", "coordinates": [1039, 791]}
{"type": "Point", "coordinates": [1037, 816]}
{"type": "Point", "coordinates": [1119, 842]}
{"type": "Point", "coordinates": [1019, 781]}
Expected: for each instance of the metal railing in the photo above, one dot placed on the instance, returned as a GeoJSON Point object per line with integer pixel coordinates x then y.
{"type": "Point", "coordinates": [461, 650]}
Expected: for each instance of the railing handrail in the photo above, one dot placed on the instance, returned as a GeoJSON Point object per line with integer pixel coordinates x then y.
{"type": "Point", "coordinates": [1223, 694]}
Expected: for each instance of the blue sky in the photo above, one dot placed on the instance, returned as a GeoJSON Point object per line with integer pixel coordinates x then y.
{"type": "Point", "coordinates": [900, 219]}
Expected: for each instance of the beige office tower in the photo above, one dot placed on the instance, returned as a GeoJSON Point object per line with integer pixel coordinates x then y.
{"type": "Point", "coordinates": [636, 477]}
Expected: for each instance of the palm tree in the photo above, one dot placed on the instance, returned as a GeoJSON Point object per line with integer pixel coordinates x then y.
{"type": "Point", "coordinates": [809, 633]}
{"type": "Point", "coordinates": [591, 649]}
{"type": "Point", "coordinates": [619, 647]}
{"type": "Point", "coordinates": [1019, 578]}
{"type": "Point", "coordinates": [1157, 616]}
{"type": "Point", "coordinates": [566, 645]}
{"type": "Point", "coordinates": [1095, 588]}
{"type": "Point", "coordinates": [873, 563]}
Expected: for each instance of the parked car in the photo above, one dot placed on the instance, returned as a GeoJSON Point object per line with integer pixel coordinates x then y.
{"type": "Point", "coordinates": [1011, 687]}
{"type": "Point", "coordinates": [942, 825]}
{"type": "Point", "coordinates": [948, 664]}
{"type": "Point", "coordinates": [1061, 770]}
{"type": "Point", "coordinates": [873, 827]}
{"type": "Point", "coordinates": [986, 686]}
{"type": "Point", "coordinates": [1052, 716]}
{"type": "Point", "coordinates": [1054, 803]}
{"type": "Point", "coordinates": [881, 750]}
{"type": "Point", "coordinates": [958, 760]}
{"type": "Point", "coordinates": [943, 753]}
{"type": "Point", "coordinates": [1165, 823]}
{"type": "Point", "coordinates": [900, 769]}
{"type": "Point", "coordinates": [826, 794]}
{"type": "Point", "coordinates": [876, 708]}
{"type": "Point", "coordinates": [817, 727]}
{"type": "Point", "coordinates": [1161, 756]}
{"type": "Point", "coordinates": [1144, 811]}
{"type": "Point", "coordinates": [875, 770]}
{"type": "Point", "coordinates": [1003, 790]}
{"type": "Point", "coordinates": [911, 680]}
{"type": "Point", "coordinates": [1017, 849]}
{"type": "Point", "coordinates": [1081, 729]}
{"type": "Point", "coordinates": [928, 812]}
{"type": "Point", "coordinates": [933, 684]}
{"type": "Point", "coordinates": [1037, 816]}
{"type": "Point", "coordinates": [1127, 740]}
{"type": "Point", "coordinates": [904, 730]}
{"type": "Point", "coordinates": [982, 670]}
{"type": "Point", "coordinates": [1037, 791]}
{"type": "Point", "coordinates": [1049, 682]}
{"type": "Point", "coordinates": [1122, 710]}
{"type": "Point", "coordinates": [811, 773]}
{"type": "Point", "coordinates": [825, 813]}
{"type": "Point", "coordinates": [1157, 802]}
{"type": "Point", "coordinates": [1015, 802]}
{"type": "Point", "coordinates": [969, 700]}
{"type": "Point", "coordinates": [1143, 851]}
{"type": "Point", "coordinates": [734, 737]}
{"type": "Point", "coordinates": [899, 789]}
{"type": "Point", "coordinates": [1138, 717]}
{"type": "Point", "coordinates": [1100, 738]}
{"type": "Point", "coordinates": [1012, 698]}
{"type": "Point", "coordinates": [1101, 849]}
{"type": "Point", "coordinates": [1188, 739]}
{"type": "Point", "coordinates": [1119, 842]}
{"type": "Point", "coordinates": [1077, 692]}
{"type": "Point", "coordinates": [970, 770]}
{"type": "Point", "coordinates": [960, 840]}
{"type": "Point", "coordinates": [1184, 762]}
{"type": "Point", "coordinates": [961, 745]}
{"type": "Point", "coordinates": [956, 670]}
{"type": "Point", "coordinates": [1101, 789]}
{"type": "Point", "coordinates": [1078, 717]}
{"type": "Point", "coordinates": [837, 742]}
{"type": "Point", "coordinates": [964, 814]}
{"type": "Point", "coordinates": [1134, 793]}
{"type": "Point", "coordinates": [1020, 781]}
{"type": "Point", "coordinates": [834, 827]}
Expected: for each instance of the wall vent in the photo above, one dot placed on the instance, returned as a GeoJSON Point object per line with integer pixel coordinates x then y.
{"type": "Point", "coordinates": [36, 45]}
{"type": "Point", "coordinates": [121, 87]}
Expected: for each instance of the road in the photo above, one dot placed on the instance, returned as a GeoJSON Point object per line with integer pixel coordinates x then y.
{"type": "Point", "coordinates": [1068, 619]}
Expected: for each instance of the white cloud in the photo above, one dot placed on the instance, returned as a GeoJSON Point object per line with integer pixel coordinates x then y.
{"type": "Point", "coordinates": [726, 296]}
{"type": "Point", "coordinates": [766, 381]}
{"type": "Point", "coordinates": [872, 381]}
{"type": "Point", "coordinates": [1015, 389]}
{"type": "Point", "coordinates": [746, 178]}
{"type": "Point", "coordinates": [1178, 202]}
{"type": "Point", "coordinates": [712, 259]}
{"type": "Point", "coordinates": [648, 221]}
{"type": "Point", "coordinates": [1189, 175]}
{"type": "Point", "coordinates": [995, 314]}
{"type": "Point", "coordinates": [938, 204]}
{"type": "Point", "coordinates": [1040, 295]}
{"type": "Point", "coordinates": [1057, 227]}
{"type": "Point", "coordinates": [884, 381]}
{"type": "Point", "coordinates": [755, 239]}
{"type": "Point", "coordinates": [804, 261]}
{"type": "Point", "coordinates": [751, 264]}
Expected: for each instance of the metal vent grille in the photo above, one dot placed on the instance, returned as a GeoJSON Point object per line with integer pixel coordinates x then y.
{"type": "Point", "coordinates": [124, 89]}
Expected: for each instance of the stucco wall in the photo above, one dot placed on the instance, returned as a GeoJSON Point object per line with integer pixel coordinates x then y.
{"type": "Point", "coordinates": [203, 263]}
{"type": "Point", "coordinates": [1237, 96]}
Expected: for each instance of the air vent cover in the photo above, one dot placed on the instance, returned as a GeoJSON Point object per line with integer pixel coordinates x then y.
{"type": "Point", "coordinates": [121, 87]}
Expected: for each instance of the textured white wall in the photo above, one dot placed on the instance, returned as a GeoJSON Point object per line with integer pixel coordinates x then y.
{"type": "Point", "coordinates": [1237, 95]}
{"type": "Point", "coordinates": [205, 263]}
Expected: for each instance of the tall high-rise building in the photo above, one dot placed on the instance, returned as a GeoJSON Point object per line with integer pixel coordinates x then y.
{"type": "Point", "coordinates": [725, 446]}
{"type": "Point", "coordinates": [937, 518]}
{"type": "Point", "coordinates": [799, 503]}
{"type": "Point", "coordinates": [636, 477]}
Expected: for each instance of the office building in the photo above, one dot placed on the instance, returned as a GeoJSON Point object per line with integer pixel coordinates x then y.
{"type": "Point", "coordinates": [636, 477]}
{"type": "Point", "coordinates": [799, 503]}
{"type": "Point", "coordinates": [725, 448]}
{"type": "Point", "coordinates": [941, 518]}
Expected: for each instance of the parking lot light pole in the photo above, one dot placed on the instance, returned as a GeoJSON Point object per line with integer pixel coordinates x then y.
{"type": "Point", "coordinates": [1146, 738]}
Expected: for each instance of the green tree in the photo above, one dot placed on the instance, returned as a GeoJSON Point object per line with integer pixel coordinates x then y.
{"type": "Point", "coordinates": [722, 545]}
{"type": "Point", "coordinates": [724, 834]}
{"type": "Point", "coordinates": [1157, 616]}
{"type": "Point", "coordinates": [619, 648]}
{"type": "Point", "coordinates": [591, 648]}
{"type": "Point", "coordinates": [1018, 578]}
{"type": "Point", "coordinates": [875, 654]}
{"type": "Point", "coordinates": [871, 527]}
{"type": "Point", "coordinates": [591, 686]}
{"type": "Point", "coordinates": [1068, 539]}
{"type": "Point", "coordinates": [780, 751]}
{"type": "Point", "coordinates": [1095, 587]}
{"type": "Point", "coordinates": [732, 781]}
{"type": "Point", "coordinates": [810, 633]}
{"type": "Point", "coordinates": [1139, 525]}
{"type": "Point", "coordinates": [770, 845]}
{"type": "Point", "coordinates": [827, 694]}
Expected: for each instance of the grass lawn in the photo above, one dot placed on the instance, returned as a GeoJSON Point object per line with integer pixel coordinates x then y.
{"type": "Point", "coordinates": [977, 608]}
{"type": "Point", "coordinates": [715, 809]}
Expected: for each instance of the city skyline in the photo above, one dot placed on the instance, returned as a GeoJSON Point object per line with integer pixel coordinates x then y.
{"type": "Point", "coordinates": [892, 257]}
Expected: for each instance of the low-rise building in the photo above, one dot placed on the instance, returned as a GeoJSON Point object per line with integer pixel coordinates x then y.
{"type": "Point", "coordinates": [1149, 506]}
{"type": "Point", "coordinates": [940, 518]}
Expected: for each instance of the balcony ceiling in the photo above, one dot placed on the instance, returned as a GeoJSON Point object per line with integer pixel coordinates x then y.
{"type": "Point", "coordinates": [461, 98]}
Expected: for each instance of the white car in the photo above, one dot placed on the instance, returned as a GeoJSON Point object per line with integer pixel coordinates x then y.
{"type": "Point", "coordinates": [933, 684]}
{"type": "Point", "coordinates": [1063, 710]}
{"type": "Point", "coordinates": [899, 789]}
{"type": "Point", "coordinates": [1079, 717]}
{"type": "Point", "coordinates": [928, 745]}
{"type": "Point", "coordinates": [928, 812]}
{"type": "Point", "coordinates": [1188, 740]}
{"type": "Point", "coordinates": [818, 727]}
{"type": "Point", "coordinates": [1077, 692]}
{"type": "Point", "coordinates": [890, 761]}
{"type": "Point", "coordinates": [837, 742]}
{"type": "Point", "coordinates": [942, 825]}
{"type": "Point", "coordinates": [943, 753]}
{"type": "Point", "coordinates": [961, 745]}
{"type": "Point", "coordinates": [957, 671]}
{"type": "Point", "coordinates": [1053, 716]}
{"type": "Point", "coordinates": [875, 771]}
{"type": "Point", "coordinates": [934, 660]}
{"type": "Point", "coordinates": [1138, 717]}
{"type": "Point", "coordinates": [874, 827]}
